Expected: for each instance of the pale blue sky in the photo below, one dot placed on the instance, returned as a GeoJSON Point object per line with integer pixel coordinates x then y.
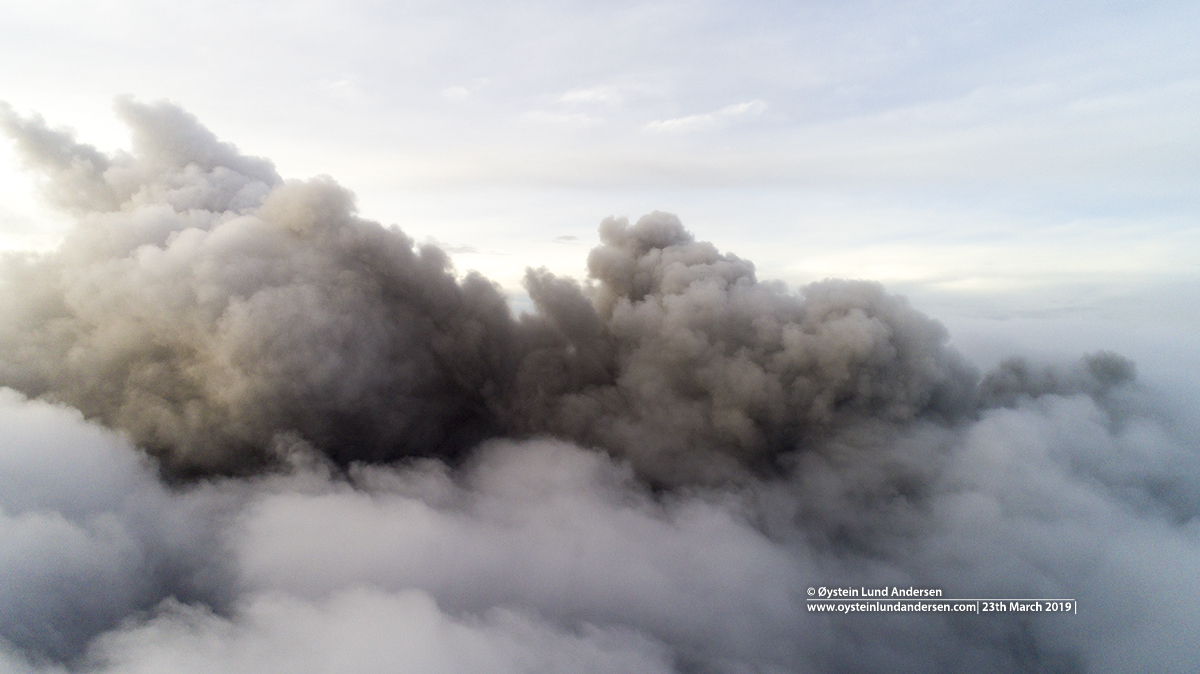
{"type": "Point", "coordinates": [990, 160]}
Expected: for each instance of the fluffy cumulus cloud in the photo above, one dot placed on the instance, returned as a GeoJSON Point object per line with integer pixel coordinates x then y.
{"type": "Point", "coordinates": [247, 430]}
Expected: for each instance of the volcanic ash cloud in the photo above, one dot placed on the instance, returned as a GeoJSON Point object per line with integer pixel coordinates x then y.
{"type": "Point", "coordinates": [210, 309]}
{"type": "Point", "coordinates": [247, 430]}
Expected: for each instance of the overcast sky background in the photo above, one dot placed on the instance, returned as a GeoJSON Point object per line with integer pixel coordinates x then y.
{"type": "Point", "coordinates": [1024, 171]}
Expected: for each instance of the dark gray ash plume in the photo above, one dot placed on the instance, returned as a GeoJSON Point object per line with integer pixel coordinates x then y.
{"type": "Point", "coordinates": [372, 465]}
{"type": "Point", "coordinates": [1095, 374]}
{"type": "Point", "coordinates": [684, 362]}
{"type": "Point", "coordinates": [207, 308]}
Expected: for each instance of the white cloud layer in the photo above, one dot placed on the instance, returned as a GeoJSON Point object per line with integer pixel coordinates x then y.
{"type": "Point", "coordinates": [709, 120]}
{"type": "Point", "coordinates": [542, 556]}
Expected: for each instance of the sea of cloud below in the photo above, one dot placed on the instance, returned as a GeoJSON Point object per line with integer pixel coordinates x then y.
{"type": "Point", "coordinates": [542, 556]}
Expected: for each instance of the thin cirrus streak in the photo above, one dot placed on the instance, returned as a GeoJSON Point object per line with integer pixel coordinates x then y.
{"type": "Point", "coordinates": [250, 430]}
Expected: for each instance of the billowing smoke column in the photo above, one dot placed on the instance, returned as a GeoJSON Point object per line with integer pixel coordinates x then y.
{"type": "Point", "coordinates": [376, 466]}
{"type": "Point", "coordinates": [209, 308]}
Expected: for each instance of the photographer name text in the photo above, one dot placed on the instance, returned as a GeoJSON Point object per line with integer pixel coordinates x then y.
{"type": "Point", "coordinates": [858, 592]}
